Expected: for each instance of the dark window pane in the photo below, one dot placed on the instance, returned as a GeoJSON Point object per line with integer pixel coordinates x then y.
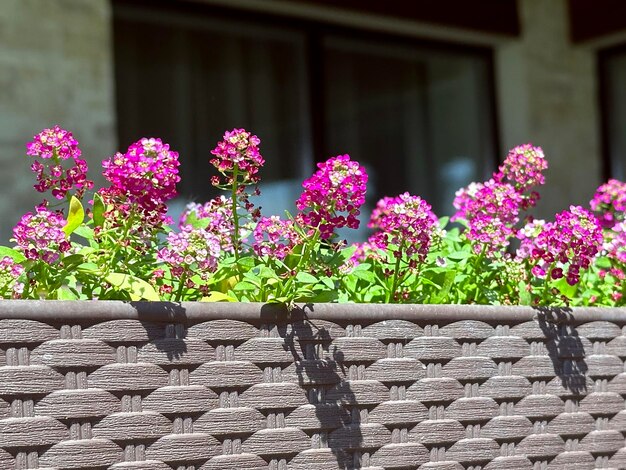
{"type": "Point", "coordinates": [614, 69]}
{"type": "Point", "coordinates": [419, 119]}
{"type": "Point", "coordinates": [188, 81]}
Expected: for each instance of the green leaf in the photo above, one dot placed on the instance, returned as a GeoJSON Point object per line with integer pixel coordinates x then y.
{"type": "Point", "coordinates": [459, 255]}
{"type": "Point", "coordinates": [448, 281]}
{"type": "Point", "coordinates": [216, 296]}
{"type": "Point", "coordinates": [65, 293]}
{"type": "Point", "coordinates": [565, 289]}
{"type": "Point", "coordinates": [525, 298]}
{"type": "Point", "coordinates": [87, 268]}
{"type": "Point", "coordinates": [74, 259]}
{"type": "Point", "coordinates": [367, 276]}
{"type": "Point", "coordinates": [137, 288]}
{"type": "Point", "coordinates": [306, 278]}
{"type": "Point", "coordinates": [75, 217]}
{"type": "Point", "coordinates": [193, 220]}
{"type": "Point", "coordinates": [85, 232]}
{"type": "Point", "coordinates": [15, 255]}
{"type": "Point", "coordinates": [98, 210]}
{"type": "Point", "coordinates": [244, 285]}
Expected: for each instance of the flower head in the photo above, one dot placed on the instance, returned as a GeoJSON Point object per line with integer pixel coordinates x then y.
{"type": "Point", "coordinates": [405, 221]}
{"type": "Point", "coordinates": [275, 237]}
{"type": "Point", "coordinates": [332, 197]}
{"type": "Point", "coordinates": [216, 217]}
{"type": "Point", "coordinates": [40, 236]}
{"type": "Point", "coordinates": [237, 152]}
{"type": "Point", "coordinates": [565, 246]}
{"type": "Point", "coordinates": [609, 202]}
{"type": "Point", "coordinates": [491, 210]}
{"type": "Point", "coordinates": [53, 147]}
{"type": "Point", "coordinates": [10, 272]}
{"type": "Point", "coordinates": [523, 167]}
{"type": "Point", "coordinates": [190, 251]}
{"type": "Point", "coordinates": [147, 173]}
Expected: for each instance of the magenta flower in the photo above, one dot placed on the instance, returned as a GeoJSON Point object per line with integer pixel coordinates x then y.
{"type": "Point", "coordinates": [609, 202]}
{"type": "Point", "coordinates": [189, 252]}
{"type": "Point", "coordinates": [332, 197]}
{"type": "Point", "coordinates": [405, 221]}
{"type": "Point", "coordinates": [363, 252]}
{"type": "Point", "coordinates": [274, 237]}
{"type": "Point", "coordinates": [565, 246]}
{"type": "Point", "coordinates": [491, 210]}
{"type": "Point", "coordinates": [523, 167]}
{"type": "Point", "coordinates": [10, 272]}
{"type": "Point", "coordinates": [237, 152]}
{"type": "Point", "coordinates": [40, 236]}
{"type": "Point", "coordinates": [147, 173]}
{"type": "Point", "coordinates": [216, 217]}
{"type": "Point", "coordinates": [615, 242]}
{"type": "Point", "coordinates": [53, 147]}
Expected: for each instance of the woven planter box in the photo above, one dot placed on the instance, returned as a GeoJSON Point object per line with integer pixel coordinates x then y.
{"type": "Point", "coordinates": [244, 386]}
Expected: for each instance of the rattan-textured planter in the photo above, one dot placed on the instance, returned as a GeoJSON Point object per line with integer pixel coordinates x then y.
{"type": "Point", "coordinates": [245, 386]}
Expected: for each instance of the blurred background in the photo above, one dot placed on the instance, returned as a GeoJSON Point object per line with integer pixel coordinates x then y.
{"type": "Point", "coordinates": [429, 95]}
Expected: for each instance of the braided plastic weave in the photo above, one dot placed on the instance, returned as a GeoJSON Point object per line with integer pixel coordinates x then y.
{"type": "Point", "coordinates": [243, 386]}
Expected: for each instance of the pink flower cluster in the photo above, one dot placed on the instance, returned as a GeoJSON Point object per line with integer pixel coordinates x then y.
{"type": "Point", "coordinates": [238, 151]}
{"type": "Point", "coordinates": [523, 167]}
{"type": "Point", "coordinates": [275, 237]}
{"type": "Point", "coordinates": [54, 146]}
{"type": "Point", "coordinates": [615, 242]}
{"type": "Point", "coordinates": [10, 272]}
{"type": "Point", "coordinates": [405, 221]}
{"type": "Point", "coordinates": [609, 202]}
{"type": "Point", "coordinates": [40, 236]}
{"type": "Point", "coordinates": [492, 208]}
{"type": "Point", "coordinates": [565, 246]}
{"type": "Point", "coordinates": [146, 174]}
{"type": "Point", "coordinates": [189, 252]}
{"type": "Point", "coordinates": [332, 197]}
{"type": "Point", "coordinates": [492, 212]}
{"type": "Point", "coordinates": [216, 217]}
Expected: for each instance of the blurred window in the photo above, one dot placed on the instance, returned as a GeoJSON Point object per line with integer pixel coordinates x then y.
{"type": "Point", "coordinates": [418, 115]}
{"type": "Point", "coordinates": [613, 93]}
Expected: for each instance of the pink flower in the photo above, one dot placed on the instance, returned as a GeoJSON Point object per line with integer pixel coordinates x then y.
{"type": "Point", "coordinates": [523, 167]}
{"type": "Point", "coordinates": [237, 152]}
{"type": "Point", "coordinates": [40, 236]}
{"type": "Point", "coordinates": [405, 221]}
{"type": "Point", "coordinates": [609, 202]}
{"type": "Point", "coordinates": [565, 246]}
{"type": "Point", "coordinates": [274, 237]}
{"type": "Point", "coordinates": [216, 217]}
{"type": "Point", "coordinates": [333, 196]}
{"type": "Point", "coordinates": [190, 251]}
{"type": "Point", "coordinates": [615, 242]}
{"type": "Point", "coordinates": [53, 147]}
{"type": "Point", "coordinates": [147, 173]}
{"type": "Point", "coordinates": [492, 210]}
{"type": "Point", "coordinates": [10, 272]}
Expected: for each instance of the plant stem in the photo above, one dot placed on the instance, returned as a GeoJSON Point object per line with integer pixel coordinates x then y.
{"type": "Point", "coordinates": [235, 234]}
{"type": "Point", "coordinates": [181, 287]}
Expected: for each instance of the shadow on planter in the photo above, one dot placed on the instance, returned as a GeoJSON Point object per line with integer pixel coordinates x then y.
{"type": "Point", "coordinates": [322, 372]}
{"type": "Point", "coordinates": [173, 344]}
{"type": "Point", "coordinates": [565, 348]}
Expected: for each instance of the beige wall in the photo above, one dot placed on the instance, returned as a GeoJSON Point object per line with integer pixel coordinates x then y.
{"type": "Point", "coordinates": [547, 95]}
{"type": "Point", "coordinates": [55, 68]}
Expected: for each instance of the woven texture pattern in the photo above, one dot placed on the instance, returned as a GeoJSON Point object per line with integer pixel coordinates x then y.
{"type": "Point", "coordinates": [312, 394]}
